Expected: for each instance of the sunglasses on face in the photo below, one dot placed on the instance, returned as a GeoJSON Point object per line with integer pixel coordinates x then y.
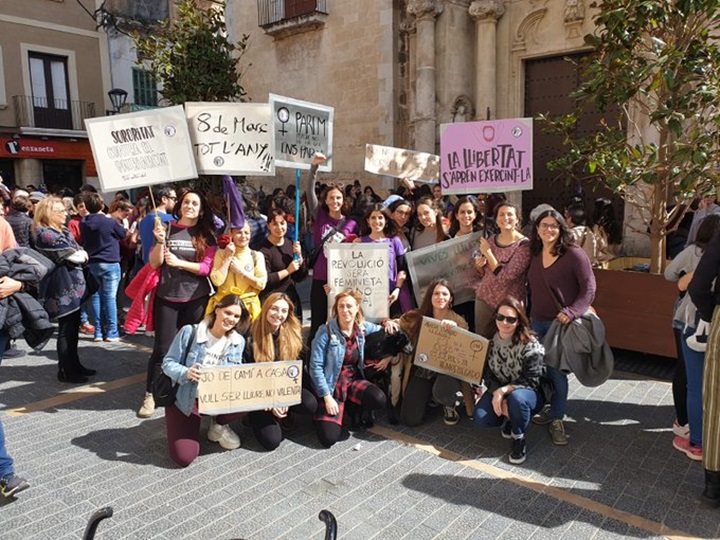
{"type": "Point", "coordinates": [504, 318]}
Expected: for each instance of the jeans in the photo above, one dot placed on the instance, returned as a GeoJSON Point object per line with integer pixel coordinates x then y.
{"type": "Point", "coordinates": [104, 301]}
{"type": "Point", "coordinates": [694, 367]}
{"type": "Point", "coordinates": [6, 462]}
{"type": "Point", "coordinates": [522, 404]}
{"type": "Point", "coordinates": [558, 403]}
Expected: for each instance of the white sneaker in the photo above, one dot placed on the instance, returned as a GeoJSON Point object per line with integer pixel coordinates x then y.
{"type": "Point", "coordinates": [224, 435]}
{"type": "Point", "coordinates": [148, 406]}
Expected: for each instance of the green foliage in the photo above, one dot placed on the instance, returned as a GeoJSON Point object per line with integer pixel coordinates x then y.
{"type": "Point", "coordinates": [658, 60]}
{"type": "Point", "coordinates": [191, 56]}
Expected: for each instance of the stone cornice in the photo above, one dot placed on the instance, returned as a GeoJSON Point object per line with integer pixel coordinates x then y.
{"type": "Point", "coordinates": [482, 10]}
{"type": "Point", "coordinates": [424, 8]}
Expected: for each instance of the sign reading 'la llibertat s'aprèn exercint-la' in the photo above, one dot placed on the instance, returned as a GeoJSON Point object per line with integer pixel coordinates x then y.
{"type": "Point", "coordinates": [142, 148]}
{"type": "Point", "coordinates": [486, 157]}
{"type": "Point", "coordinates": [232, 138]}
{"type": "Point", "coordinates": [301, 129]}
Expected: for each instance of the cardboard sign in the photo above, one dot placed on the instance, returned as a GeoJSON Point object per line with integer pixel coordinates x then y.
{"type": "Point", "coordinates": [142, 148]}
{"type": "Point", "coordinates": [451, 351]}
{"type": "Point", "coordinates": [486, 157]}
{"type": "Point", "coordinates": [249, 387]}
{"type": "Point", "coordinates": [232, 138]}
{"type": "Point", "coordinates": [399, 163]}
{"type": "Point", "coordinates": [451, 260]}
{"type": "Point", "coordinates": [300, 129]}
{"type": "Point", "coordinates": [363, 267]}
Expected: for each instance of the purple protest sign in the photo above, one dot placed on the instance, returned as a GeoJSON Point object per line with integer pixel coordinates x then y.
{"type": "Point", "coordinates": [486, 157]}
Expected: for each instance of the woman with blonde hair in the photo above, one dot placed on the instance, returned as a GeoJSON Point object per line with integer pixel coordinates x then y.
{"type": "Point", "coordinates": [337, 366]}
{"type": "Point", "coordinates": [276, 334]}
{"type": "Point", "coordinates": [63, 291]}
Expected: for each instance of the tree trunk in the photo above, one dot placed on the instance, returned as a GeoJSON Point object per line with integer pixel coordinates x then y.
{"type": "Point", "coordinates": [657, 229]}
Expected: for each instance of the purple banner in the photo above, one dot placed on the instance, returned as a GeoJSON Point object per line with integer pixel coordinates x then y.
{"type": "Point", "coordinates": [486, 157]}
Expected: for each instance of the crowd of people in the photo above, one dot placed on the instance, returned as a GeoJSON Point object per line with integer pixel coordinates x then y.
{"type": "Point", "coordinates": [216, 286]}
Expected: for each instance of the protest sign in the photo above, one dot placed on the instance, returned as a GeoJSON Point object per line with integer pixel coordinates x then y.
{"type": "Point", "coordinates": [300, 129]}
{"type": "Point", "coordinates": [486, 157]}
{"type": "Point", "coordinates": [399, 163]}
{"type": "Point", "coordinates": [363, 267]}
{"type": "Point", "coordinates": [451, 260]}
{"type": "Point", "coordinates": [142, 148]}
{"type": "Point", "coordinates": [249, 387]}
{"type": "Point", "coordinates": [232, 138]}
{"type": "Point", "coordinates": [451, 351]}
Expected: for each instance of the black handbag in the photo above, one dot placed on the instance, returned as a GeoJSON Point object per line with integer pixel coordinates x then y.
{"type": "Point", "coordinates": [381, 344]}
{"type": "Point", "coordinates": [163, 388]}
{"type": "Point", "coordinates": [315, 253]}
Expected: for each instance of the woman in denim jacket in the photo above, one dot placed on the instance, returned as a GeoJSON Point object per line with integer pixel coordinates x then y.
{"type": "Point", "coordinates": [337, 367]}
{"type": "Point", "coordinates": [218, 341]}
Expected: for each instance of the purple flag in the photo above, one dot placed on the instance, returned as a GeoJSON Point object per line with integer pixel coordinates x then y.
{"type": "Point", "coordinates": [235, 203]}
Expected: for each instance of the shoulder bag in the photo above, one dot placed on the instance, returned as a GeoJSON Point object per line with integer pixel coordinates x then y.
{"type": "Point", "coordinates": [163, 388]}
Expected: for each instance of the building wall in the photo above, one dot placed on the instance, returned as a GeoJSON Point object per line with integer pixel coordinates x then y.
{"type": "Point", "coordinates": [348, 64]}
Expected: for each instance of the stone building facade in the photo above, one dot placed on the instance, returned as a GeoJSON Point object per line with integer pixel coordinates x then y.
{"type": "Point", "coordinates": [396, 69]}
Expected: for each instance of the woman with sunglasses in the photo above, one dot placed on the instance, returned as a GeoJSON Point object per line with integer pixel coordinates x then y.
{"type": "Point", "coordinates": [562, 287]}
{"type": "Point", "coordinates": [502, 263]}
{"type": "Point", "coordinates": [330, 226]}
{"type": "Point", "coordinates": [184, 255]}
{"type": "Point", "coordinates": [513, 368]}
{"type": "Point", "coordinates": [401, 210]}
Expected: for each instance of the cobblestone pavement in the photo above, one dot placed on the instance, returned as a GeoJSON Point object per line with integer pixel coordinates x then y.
{"type": "Point", "coordinates": [82, 448]}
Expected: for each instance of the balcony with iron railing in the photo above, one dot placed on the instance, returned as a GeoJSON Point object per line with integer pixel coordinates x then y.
{"type": "Point", "coordinates": [38, 114]}
{"type": "Point", "coordinates": [280, 18]}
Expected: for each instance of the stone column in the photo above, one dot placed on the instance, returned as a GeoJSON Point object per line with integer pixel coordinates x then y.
{"type": "Point", "coordinates": [425, 12]}
{"type": "Point", "coordinates": [486, 14]}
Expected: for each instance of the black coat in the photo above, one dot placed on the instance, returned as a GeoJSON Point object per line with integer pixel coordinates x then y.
{"type": "Point", "coordinates": [20, 314]}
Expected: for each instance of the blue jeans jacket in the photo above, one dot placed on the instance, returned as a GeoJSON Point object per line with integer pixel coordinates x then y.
{"type": "Point", "coordinates": [328, 352]}
{"type": "Point", "coordinates": [174, 367]}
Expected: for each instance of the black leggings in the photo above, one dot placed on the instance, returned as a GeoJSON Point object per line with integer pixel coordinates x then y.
{"type": "Point", "coordinates": [169, 317]}
{"type": "Point", "coordinates": [266, 426]}
{"type": "Point", "coordinates": [444, 389]}
{"type": "Point", "coordinates": [371, 399]}
{"type": "Point", "coordinates": [67, 342]}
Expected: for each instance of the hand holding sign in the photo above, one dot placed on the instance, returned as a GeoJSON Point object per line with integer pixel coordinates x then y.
{"type": "Point", "coordinates": [318, 158]}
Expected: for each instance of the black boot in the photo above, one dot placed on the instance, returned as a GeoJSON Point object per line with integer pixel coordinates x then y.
{"type": "Point", "coordinates": [711, 495]}
{"type": "Point", "coordinates": [71, 377]}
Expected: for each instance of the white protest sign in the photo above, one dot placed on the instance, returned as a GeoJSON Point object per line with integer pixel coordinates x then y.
{"type": "Point", "coordinates": [363, 267]}
{"type": "Point", "coordinates": [301, 128]}
{"type": "Point", "coordinates": [142, 148]}
{"type": "Point", "coordinates": [399, 163]}
{"type": "Point", "coordinates": [249, 387]}
{"type": "Point", "coordinates": [451, 351]}
{"type": "Point", "coordinates": [232, 138]}
{"type": "Point", "coordinates": [451, 260]}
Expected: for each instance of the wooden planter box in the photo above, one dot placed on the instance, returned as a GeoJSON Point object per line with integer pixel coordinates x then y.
{"type": "Point", "coordinates": [637, 308]}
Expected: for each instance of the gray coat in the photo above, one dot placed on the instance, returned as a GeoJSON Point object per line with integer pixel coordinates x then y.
{"type": "Point", "coordinates": [580, 348]}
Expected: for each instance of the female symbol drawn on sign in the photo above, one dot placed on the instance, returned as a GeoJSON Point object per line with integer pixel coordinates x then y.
{"type": "Point", "coordinates": [283, 115]}
{"type": "Point", "coordinates": [293, 372]}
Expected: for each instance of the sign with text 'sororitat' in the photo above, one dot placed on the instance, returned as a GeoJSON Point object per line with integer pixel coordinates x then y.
{"type": "Point", "coordinates": [451, 351]}
{"type": "Point", "coordinates": [249, 387]}
{"type": "Point", "coordinates": [399, 163]}
{"type": "Point", "coordinates": [232, 138]}
{"type": "Point", "coordinates": [300, 129]}
{"type": "Point", "coordinates": [486, 157]}
{"type": "Point", "coordinates": [142, 148]}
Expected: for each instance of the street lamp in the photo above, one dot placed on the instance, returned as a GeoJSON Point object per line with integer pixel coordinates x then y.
{"type": "Point", "coordinates": [117, 98]}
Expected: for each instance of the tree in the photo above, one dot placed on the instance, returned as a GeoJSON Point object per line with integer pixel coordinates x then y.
{"type": "Point", "coordinates": [191, 56]}
{"type": "Point", "coordinates": [658, 60]}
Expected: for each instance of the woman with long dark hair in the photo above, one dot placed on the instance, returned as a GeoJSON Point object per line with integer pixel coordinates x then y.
{"type": "Point", "coordinates": [428, 229]}
{"type": "Point", "coordinates": [562, 286]}
{"type": "Point", "coordinates": [607, 231]}
{"type": "Point", "coordinates": [184, 254]}
{"type": "Point", "coordinates": [276, 335]}
{"type": "Point", "coordinates": [513, 367]}
{"type": "Point", "coordinates": [218, 341]}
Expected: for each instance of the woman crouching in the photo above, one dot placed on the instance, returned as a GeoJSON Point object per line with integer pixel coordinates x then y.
{"type": "Point", "coordinates": [276, 335]}
{"type": "Point", "coordinates": [337, 367]}
{"type": "Point", "coordinates": [218, 341]}
{"type": "Point", "coordinates": [512, 374]}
